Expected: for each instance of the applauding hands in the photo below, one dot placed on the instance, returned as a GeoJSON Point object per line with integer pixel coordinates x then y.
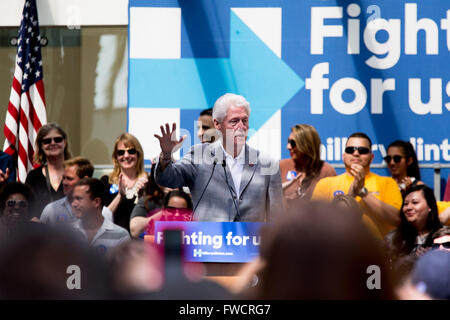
{"type": "Point", "coordinates": [358, 172]}
{"type": "Point", "coordinates": [4, 175]}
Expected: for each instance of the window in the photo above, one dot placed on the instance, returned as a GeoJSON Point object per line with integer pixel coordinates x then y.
{"type": "Point", "coordinates": [85, 78]}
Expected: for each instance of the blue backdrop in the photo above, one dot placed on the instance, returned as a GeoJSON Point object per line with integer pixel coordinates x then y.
{"type": "Point", "coordinates": [345, 66]}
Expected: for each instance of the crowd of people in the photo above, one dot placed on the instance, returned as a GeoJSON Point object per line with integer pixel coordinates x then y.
{"type": "Point", "coordinates": [325, 229]}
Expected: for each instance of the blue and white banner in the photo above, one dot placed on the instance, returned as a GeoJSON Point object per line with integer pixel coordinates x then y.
{"type": "Point", "coordinates": [380, 67]}
{"type": "Point", "coordinates": [215, 241]}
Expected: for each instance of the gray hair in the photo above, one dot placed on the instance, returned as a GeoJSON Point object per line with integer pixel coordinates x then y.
{"type": "Point", "coordinates": [226, 101]}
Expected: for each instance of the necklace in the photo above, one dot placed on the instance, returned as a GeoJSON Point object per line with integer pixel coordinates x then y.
{"type": "Point", "coordinates": [131, 192]}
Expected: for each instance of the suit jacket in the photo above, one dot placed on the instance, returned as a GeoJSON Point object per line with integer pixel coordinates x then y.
{"type": "Point", "coordinates": [203, 170]}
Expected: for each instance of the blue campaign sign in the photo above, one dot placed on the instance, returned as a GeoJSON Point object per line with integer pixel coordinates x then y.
{"type": "Point", "coordinates": [342, 66]}
{"type": "Point", "coordinates": [215, 241]}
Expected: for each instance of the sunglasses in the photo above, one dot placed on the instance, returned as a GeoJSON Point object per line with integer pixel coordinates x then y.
{"type": "Point", "coordinates": [446, 245]}
{"type": "Point", "coordinates": [55, 139]}
{"type": "Point", "coordinates": [292, 143]}
{"type": "Point", "coordinates": [20, 203]}
{"type": "Point", "coordinates": [396, 159]}
{"type": "Point", "coordinates": [361, 150]}
{"type": "Point", "coordinates": [121, 152]}
{"type": "Point", "coordinates": [172, 208]}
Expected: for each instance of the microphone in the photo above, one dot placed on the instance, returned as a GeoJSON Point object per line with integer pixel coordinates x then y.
{"type": "Point", "coordinates": [238, 214]}
{"type": "Point", "coordinates": [209, 180]}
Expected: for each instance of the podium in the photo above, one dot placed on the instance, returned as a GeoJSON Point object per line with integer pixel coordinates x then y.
{"type": "Point", "coordinates": [221, 247]}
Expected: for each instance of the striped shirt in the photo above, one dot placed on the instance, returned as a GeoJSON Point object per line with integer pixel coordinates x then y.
{"type": "Point", "coordinates": [108, 236]}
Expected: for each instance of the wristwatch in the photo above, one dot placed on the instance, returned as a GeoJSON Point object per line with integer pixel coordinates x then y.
{"type": "Point", "coordinates": [364, 192]}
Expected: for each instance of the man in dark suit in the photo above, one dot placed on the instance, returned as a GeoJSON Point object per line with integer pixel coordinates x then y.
{"type": "Point", "coordinates": [229, 181]}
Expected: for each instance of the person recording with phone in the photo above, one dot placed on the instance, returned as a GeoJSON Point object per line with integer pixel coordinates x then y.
{"type": "Point", "coordinates": [228, 180]}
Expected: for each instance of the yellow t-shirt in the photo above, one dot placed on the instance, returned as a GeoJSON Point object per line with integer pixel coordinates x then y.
{"type": "Point", "coordinates": [442, 205]}
{"type": "Point", "coordinates": [383, 188]}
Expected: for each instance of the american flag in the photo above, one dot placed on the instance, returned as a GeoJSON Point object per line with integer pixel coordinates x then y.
{"type": "Point", "coordinates": [26, 109]}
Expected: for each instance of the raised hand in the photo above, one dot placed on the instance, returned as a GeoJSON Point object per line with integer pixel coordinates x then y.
{"type": "Point", "coordinates": [421, 251]}
{"type": "Point", "coordinates": [168, 141]}
{"type": "Point", "coordinates": [298, 179]}
{"type": "Point", "coordinates": [122, 185]}
{"type": "Point", "coordinates": [4, 175]}
{"type": "Point", "coordinates": [140, 183]}
{"type": "Point", "coordinates": [407, 181]}
{"type": "Point", "coordinates": [358, 172]}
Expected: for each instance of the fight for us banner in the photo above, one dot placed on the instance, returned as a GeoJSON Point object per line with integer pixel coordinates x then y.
{"type": "Point", "coordinates": [214, 241]}
{"type": "Point", "coordinates": [380, 67]}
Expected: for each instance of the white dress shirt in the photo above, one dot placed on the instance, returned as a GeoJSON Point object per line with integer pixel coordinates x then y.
{"type": "Point", "coordinates": [236, 167]}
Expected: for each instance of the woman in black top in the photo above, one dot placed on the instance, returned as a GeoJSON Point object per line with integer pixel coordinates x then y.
{"type": "Point", "coordinates": [153, 199]}
{"type": "Point", "coordinates": [127, 181]}
{"type": "Point", "coordinates": [419, 221]}
{"type": "Point", "coordinates": [52, 149]}
{"type": "Point", "coordinates": [402, 163]}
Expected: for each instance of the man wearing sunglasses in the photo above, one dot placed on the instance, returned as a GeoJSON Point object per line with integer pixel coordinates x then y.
{"type": "Point", "coordinates": [228, 180]}
{"type": "Point", "coordinates": [60, 211]}
{"type": "Point", "coordinates": [379, 197]}
{"type": "Point", "coordinates": [441, 239]}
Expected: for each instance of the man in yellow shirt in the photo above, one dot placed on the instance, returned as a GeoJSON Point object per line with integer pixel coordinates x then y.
{"type": "Point", "coordinates": [444, 212]}
{"type": "Point", "coordinates": [379, 197]}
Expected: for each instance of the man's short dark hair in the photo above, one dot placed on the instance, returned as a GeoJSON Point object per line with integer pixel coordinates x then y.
{"type": "Point", "coordinates": [84, 166]}
{"type": "Point", "coordinates": [96, 188]}
{"type": "Point", "coordinates": [206, 112]}
{"type": "Point", "coordinates": [180, 194]}
{"type": "Point", "coordinates": [444, 231]}
{"type": "Point", "coordinates": [361, 135]}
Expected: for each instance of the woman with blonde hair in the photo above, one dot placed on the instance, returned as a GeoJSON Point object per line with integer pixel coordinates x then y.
{"type": "Point", "coordinates": [51, 150]}
{"type": "Point", "coordinates": [127, 181]}
{"type": "Point", "coordinates": [304, 169]}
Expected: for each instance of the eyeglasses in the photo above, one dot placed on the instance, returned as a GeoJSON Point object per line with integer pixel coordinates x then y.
{"type": "Point", "coordinates": [20, 203]}
{"type": "Point", "coordinates": [361, 150]}
{"type": "Point", "coordinates": [446, 245]}
{"type": "Point", "coordinates": [55, 139]}
{"type": "Point", "coordinates": [396, 159]}
{"type": "Point", "coordinates": [292, 143]}
{"type": "Point", "coordinates": [121, 152]}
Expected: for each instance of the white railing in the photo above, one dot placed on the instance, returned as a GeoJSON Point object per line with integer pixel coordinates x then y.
{"type": "Point", "coordinates": [435, 166]}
